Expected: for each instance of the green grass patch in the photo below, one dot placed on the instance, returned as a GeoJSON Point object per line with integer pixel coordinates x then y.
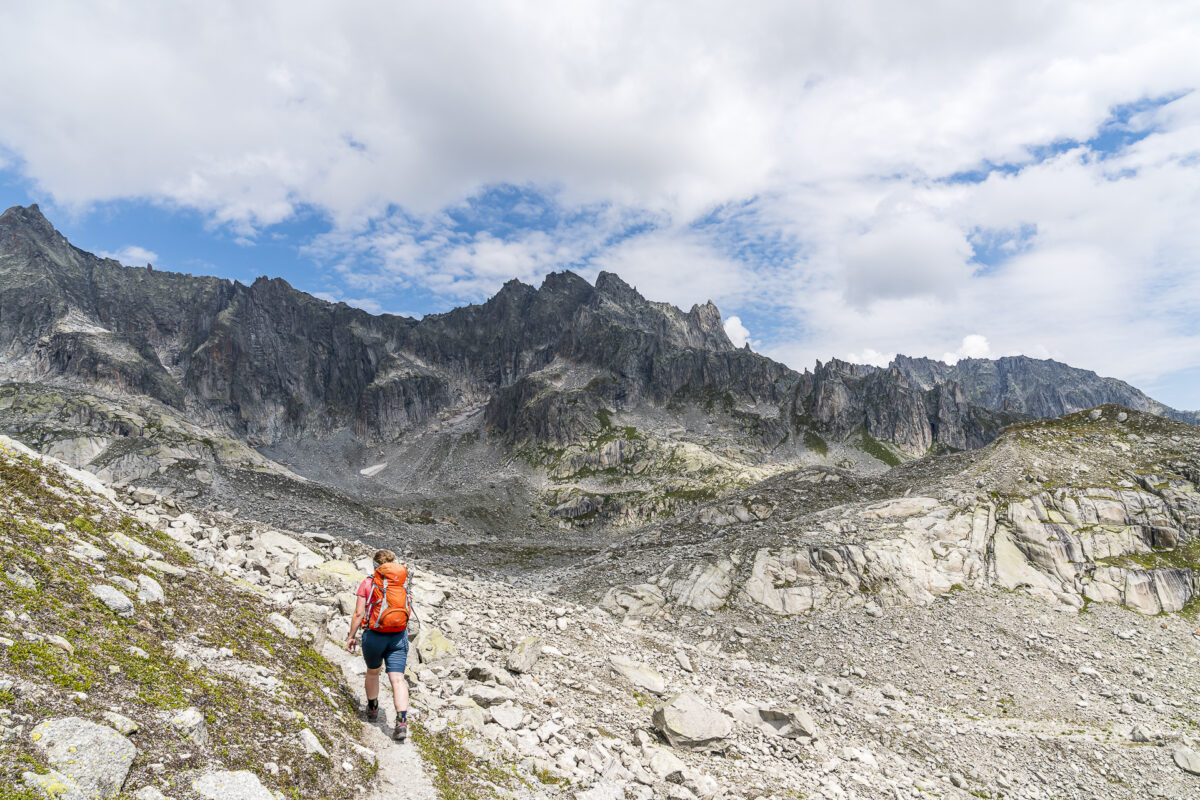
{"type": "Point", "coordinates": [873, 447]}
{"type": "Point", "coordinates": [457, 773]}
{"type": "Point", "coordinates": [815, 443]}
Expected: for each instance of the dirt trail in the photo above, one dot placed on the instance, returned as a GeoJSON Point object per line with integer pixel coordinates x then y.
{"type": "Point", "coordinates": [402, 774]}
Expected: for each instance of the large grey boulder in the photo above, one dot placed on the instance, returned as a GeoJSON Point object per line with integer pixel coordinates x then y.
{"type": "Point", "coordinates": [149, 590]}
{"type": "Point", "coordinates": [94, 759]}
{"type": "Point", "coordinates": [791, 722]}
{"type": "Point", "coordinates": [707, 587]}
{"type": "Point", "coordinates": [688, 723]}
{"type": "Point", "coordinates": [641, 676]}
{"type": "Point", "coordinates": [1187, 760]}
{"type": "Point", "coordinates": [524, 655]}
{"type": "Point", "coordinates": [112, 597]}
{"type": "Point", "coordinates": [284, 625]}
{"type": "Point", "coordinates": [240, 785]}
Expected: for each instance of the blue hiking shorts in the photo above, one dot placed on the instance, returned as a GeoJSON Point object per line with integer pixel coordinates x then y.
{"type": "Point", "coordinates": [390, 647]}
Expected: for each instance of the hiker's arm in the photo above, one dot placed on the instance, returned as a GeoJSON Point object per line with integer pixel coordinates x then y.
{"type": "Point", "coordinates": [354, 623]}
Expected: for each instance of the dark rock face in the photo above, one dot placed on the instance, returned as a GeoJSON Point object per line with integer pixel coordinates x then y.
{"type": "Point", "coordinates": [1035, 387]}
{"type": "Point", "coordinates": [270, 363]}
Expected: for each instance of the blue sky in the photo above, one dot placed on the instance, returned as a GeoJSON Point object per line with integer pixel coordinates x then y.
{"type": "Point", "coordinates": [844, 184]}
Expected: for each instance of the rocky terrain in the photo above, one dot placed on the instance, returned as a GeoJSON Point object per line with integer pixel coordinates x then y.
{"type": "Point", "coordinates": [1013, 622]}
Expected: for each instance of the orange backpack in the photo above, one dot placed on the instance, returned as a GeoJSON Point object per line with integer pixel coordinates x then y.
{"type": "Point", "coordinates": [387, 607]}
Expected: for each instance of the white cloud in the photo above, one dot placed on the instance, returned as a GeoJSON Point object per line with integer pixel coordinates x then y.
{"type": "Point", "coordinates": [872, 357]}
{"type": "Point", "coordinates": [973, 346]}
{"type": "Point", "coordinates": [132, 255]}
{"type": "Point", "coordinates": [839, 124]}
{"type": "Point", "coordinates": [736, 331]}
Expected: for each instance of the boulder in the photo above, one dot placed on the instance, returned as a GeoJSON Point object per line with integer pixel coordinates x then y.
{"type": "Point", "coordinates": [94, 759]}
{"type": "Point", "coordinates": [240, 785]}
{"type": "Point", "coordinates": [790, 722]}
{"type": "Point", "coordinates": [643, 600]}
{"type": "Point", "coordinates": [1187, 760]}
{"type": "Point", "coordinates": [191, 725]}
{"type": "Point", "coordinates": [149, 590]}
{"type": "Point", "coordinates": [431, 645]}
{"type": "Point", "coordinates": [524, 655]}
{"type": "Point", "coordinates": [706, 588]}
{"type": "Point", "coordinates": [507, 716]}
{"type": "Point", "coordinates": [337, 576]}
{"type": "Point", "coordinates": [641, 676]}
{"type": "Point", "coordinates": [311, 744]}
{"type": "Point", "coordinates": [132, 546]}
{"type": "Point", "coordinates": [120, 723]}
{"type": "Point", "coordinates": [688, 723]}
{"type": "Point", "coordinates": [284, 625]}
{"type": "Point", "coordinates": [486, 696]}
{"type": "Point", "coordinates": [112, 597]}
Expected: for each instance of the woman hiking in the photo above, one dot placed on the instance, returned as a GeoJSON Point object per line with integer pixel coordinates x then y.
{"type": "Point", "coordinates": [383, 609]}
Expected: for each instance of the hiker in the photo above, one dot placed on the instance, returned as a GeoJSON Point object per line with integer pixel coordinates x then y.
{"type": "Point", "coordinates": [383, 610]}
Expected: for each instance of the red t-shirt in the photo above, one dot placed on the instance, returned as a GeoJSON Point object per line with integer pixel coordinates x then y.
{"type": "Point", "coordinates": [364, 588]}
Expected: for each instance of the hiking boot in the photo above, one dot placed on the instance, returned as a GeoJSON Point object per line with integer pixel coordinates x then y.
{"type": "Point", "coordinates": [372, 711]}
{"type": "Point", "coordinates": [401, 731]}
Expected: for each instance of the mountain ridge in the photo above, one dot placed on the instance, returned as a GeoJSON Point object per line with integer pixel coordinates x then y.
{"type": "Point", "coordinates": [624, 408]}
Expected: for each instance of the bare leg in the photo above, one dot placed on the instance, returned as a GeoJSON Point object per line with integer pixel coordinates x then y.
{"type": "Point", "coordinates": [399, 690]}
{"type": "Point", "coordinates": [373, 683]}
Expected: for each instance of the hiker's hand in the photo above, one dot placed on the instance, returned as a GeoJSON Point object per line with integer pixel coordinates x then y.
{"type": "Point", "coordinates": [350, 645]}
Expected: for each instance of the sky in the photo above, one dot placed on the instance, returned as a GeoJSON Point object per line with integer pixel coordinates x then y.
{"type": "Point", "coordinates": [847, 179]}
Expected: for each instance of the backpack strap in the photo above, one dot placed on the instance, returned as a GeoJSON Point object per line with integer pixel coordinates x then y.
{"type": "Point", "coordinates": [383, 606]}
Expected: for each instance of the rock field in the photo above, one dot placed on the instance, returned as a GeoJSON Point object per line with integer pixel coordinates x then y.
{"type": "Point", "coordinates": [1017, 622]}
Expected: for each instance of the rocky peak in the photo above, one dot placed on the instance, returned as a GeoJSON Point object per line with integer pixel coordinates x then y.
{"type": "Point", "coordinates": [707, 319]}
{"type": "Point", "coordinates": [611, 286]}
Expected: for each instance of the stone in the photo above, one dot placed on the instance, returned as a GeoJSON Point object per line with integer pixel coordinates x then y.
{"type": "Point", "coordinates": [1122, 416]}
{"type": "Point", "coordinates": [191, 725]}
{"type": "Point", "coordinates": [313, 618]}
{"type": "Point", "coordinates": [311, 744]}
{"type": "Point", "coordinates": [666, 766]}
{"type": "Point", "coordinates": [112, 597]}
{"type": "Point", "coordinates": [61, 643]}
{"type": "Point", "coordinates": [524, 655]}
{"type": "Point", "coordinates": [149, 793]}
{"type": "Point", "coordinates": [240, 785]}
{"type": "Point", "coordinates": [164, 568]}
{"type": "Point", "coordinates": [94, 758]}
{"type": "Point", "coordinates": [284, 625]}
{"type": "Point", "coordinates": [643, 600]}
{"type": "Point", "coordinates": [336, 575]}
{"type": "Point", "coordinates": [21, 578]}
{"type": "Point", "coordinates": [486, 696]}
{"type": "Point", "coordinates": [791, 722]}
{"type": "Point", "coordinates": [641, 676]}
{"type": "Point", "coordinates": [132, 546]}
{"type": "Point", "coordinates": [688, 723]}
{"type": "Point", "coordinates": [1187, 760]}
{"type": "Point", "coordinates": [149, 590]}
{"type": "Point", "coordinates": [604, 790]}
{"type": "Point", "coordinates": [143, 497]}
{"type": "Point", "coordinates": [120, 723]}
{"type": "Point", "coordinates": [432, 646]}
{"type": "Point", "coordinates": [684, 661]}
{"type": "Point", "coordinates": [509, 717]}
